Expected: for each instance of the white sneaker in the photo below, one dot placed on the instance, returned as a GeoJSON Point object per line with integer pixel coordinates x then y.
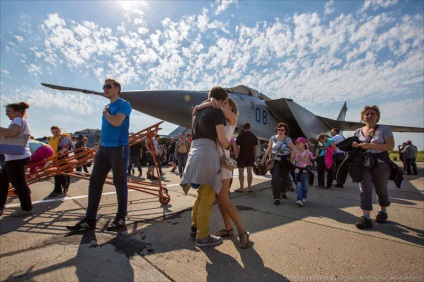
{"type": "Point", "coordinates": [299, 203]}
{"type": "Point", "coordinates": [20, 212]}
{"type": "Point", "coordinates": [304, 200]}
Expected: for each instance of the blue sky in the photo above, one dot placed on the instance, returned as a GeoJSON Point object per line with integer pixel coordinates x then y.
{"type": "Point", "coordinates": [318, 53]}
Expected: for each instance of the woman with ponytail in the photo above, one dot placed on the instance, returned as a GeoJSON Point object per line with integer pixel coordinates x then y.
{"type": "Point", "coordinates": [14, 170]}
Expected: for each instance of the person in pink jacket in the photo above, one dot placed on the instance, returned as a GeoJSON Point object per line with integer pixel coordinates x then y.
{"type": "Point", "coordinates": [330, 147]}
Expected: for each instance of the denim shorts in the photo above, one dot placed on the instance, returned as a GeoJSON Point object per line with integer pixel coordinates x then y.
{"type": "Point", "coordinates": [171, 158]}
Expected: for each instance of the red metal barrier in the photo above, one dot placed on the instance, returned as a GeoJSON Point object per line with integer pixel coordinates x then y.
{"type": "Point", "coordinates": [65, 165]}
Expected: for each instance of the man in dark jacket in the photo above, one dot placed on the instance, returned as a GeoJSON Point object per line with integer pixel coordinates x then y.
{"type": "Point", "coordinates": [410, 155]}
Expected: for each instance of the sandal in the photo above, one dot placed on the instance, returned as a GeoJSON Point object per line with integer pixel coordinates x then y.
{"type": "Point", "coordinates": [239, 190]}
{"type": "Point", "coordinates": [246, 242]}
{"type": "Point", "coordinates": [225, 233]}
{"type": "Point", "coordinates": [250, 190]}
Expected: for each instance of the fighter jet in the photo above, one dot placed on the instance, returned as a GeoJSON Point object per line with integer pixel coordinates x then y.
{"type": "Point", "coordinates": [263, 113]}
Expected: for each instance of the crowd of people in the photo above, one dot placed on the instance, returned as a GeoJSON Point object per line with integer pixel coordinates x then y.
{"type": "Point", "coordinates": [202, 158]}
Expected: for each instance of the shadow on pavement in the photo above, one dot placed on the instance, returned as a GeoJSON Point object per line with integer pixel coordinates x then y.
{"type": "Point", "coordinates": [99, 261]}
{"type": "Point", "coordinates": [157, 239]}
{"type": "Point", "coordinates": [224, 267]}
{"type": "Point", "coordinates": [32, 223]}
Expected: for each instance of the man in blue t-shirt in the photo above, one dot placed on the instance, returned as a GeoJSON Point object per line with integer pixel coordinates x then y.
{"type": "Point", "coordinates": [112, 153]}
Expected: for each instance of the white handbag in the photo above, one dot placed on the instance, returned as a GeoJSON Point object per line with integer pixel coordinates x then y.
{"type": "Point", "coordinates": [228, 162]}
{"type": "Point", "coordinates": [14, 145]}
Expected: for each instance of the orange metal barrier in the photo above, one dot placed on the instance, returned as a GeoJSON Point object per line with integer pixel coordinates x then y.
{"type": "Point", "coordinates": [65, 165]}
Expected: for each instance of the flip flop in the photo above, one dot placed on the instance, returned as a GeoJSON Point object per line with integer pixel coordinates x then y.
{"type": "Point", "coordinates": [250, 190]}
{"type": "Point", "coordinates": [239, 190]}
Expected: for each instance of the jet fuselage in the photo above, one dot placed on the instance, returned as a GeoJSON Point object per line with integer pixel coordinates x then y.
{"type": "Point", "coordinates": [176, 106]}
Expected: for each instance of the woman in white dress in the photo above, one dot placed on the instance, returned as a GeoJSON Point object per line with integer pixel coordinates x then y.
{"type": "Point", "coordinates": [228, 210]}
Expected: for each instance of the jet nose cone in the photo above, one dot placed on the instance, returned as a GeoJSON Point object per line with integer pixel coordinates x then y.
{"type": "Point", "coordinates": [174, 106]}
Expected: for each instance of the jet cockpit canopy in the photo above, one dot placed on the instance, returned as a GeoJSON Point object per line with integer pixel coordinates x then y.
{"type": "Point", "coordinates": [242, 89]}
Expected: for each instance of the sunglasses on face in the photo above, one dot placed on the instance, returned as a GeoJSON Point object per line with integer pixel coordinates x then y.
{"type": "Point", "coordinates": [281, 130]}
{"type": "Point", "coordinates": [107, 86]}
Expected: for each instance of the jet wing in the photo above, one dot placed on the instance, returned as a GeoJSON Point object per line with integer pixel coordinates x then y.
{"type": "Point", "coordinates": [302, 122]}
{"type": "Point", "coordinates": [342, 125]}
{"type": "Point", "coordinates": [352, 126]}
{"type": "Point", "coordinates": [58, 87]}
{"type": "Point", "coordinates": [398, 128]}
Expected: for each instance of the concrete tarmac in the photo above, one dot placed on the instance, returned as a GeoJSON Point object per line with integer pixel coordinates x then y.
{"type": "Point", "coordinates": [316, 242]}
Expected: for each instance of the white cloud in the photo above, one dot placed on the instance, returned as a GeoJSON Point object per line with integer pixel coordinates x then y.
{"type": "Point", "coordinates": [50, 99]}
{"type": "Point", "coordinates": [304, 56]}
{"type": "Point", "coordinates": [135, 19]}
{"type": "Point", "coordinates": [223, 5]}
{"type": "Point", "coordinates": [34, 70]}
{"type": "Point", "coordinates": [329, 8]}
{"type": "Point", "coordinates": [142, 30]}
{"type": "Point", "coordinates": [376, 4]}
{"type": "Point", "coordinates": [76, 44]}
{"type": "Point", "coordinates": [132, 6]}
{"type": "Point", "coordinates": [202, 20]}
{"type": "Point", "coordinates": [19, 38]}
{"type": "Point", "coordinates": [54, 20]}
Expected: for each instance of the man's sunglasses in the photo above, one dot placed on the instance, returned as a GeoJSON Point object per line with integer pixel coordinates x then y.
{"type": "Point", "coordinates": [107, 86]}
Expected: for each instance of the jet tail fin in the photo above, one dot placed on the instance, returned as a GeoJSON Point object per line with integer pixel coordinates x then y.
{"type": "Point", "coordinates": [302, 122]}
{"type": "Point", "coordinates": [342, 114]}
